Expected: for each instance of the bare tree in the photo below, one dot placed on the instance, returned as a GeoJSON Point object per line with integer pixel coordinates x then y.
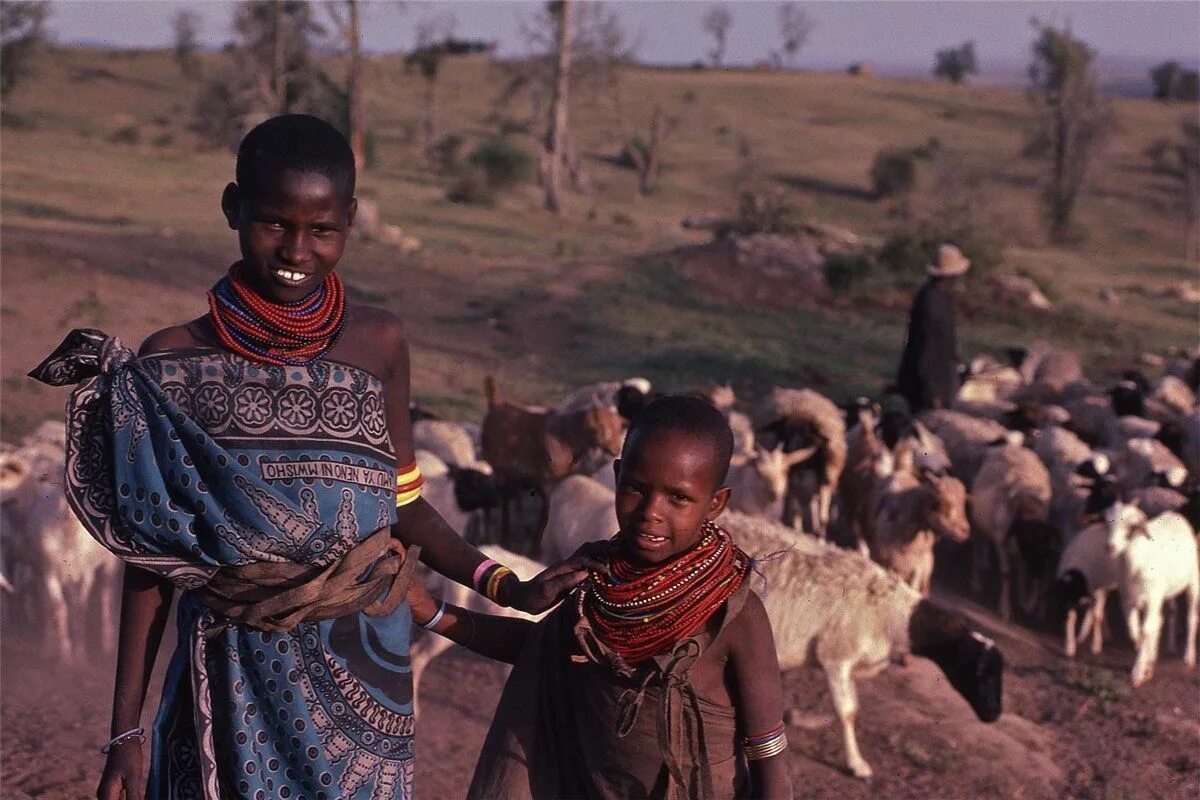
{"type": "Point", "coordinates": [795, 26]}
{"type": "Point", "coordinates": [22, 35]}
{"type": "Point", "coordinates": [187, 25]}
{"type": "Point", "coordinates": [346, 17]}
{"type": "Point", "coordinates": [557, 132]}
{"type": "Point", "coordinates": [433, 35]}
{"type": "Point", "coordinates": [270, 68]}
{"type": "Point", "coordinates": [1073, 119]}
{"type": "Point", "coordinates": [717, 22]}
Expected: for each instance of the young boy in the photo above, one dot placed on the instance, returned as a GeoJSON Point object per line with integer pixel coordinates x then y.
{"type": "Point", "coordinates": [658, 678]}
{"type": "Point", "coordinates": [260, 458]}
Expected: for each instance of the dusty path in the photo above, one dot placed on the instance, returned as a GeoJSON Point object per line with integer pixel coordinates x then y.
{"type": "Point", "coordinates": [1068, 730]}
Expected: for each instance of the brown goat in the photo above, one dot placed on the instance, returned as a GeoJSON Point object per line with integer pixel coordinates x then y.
{"type": "Point", "coordinates": [535, 447]}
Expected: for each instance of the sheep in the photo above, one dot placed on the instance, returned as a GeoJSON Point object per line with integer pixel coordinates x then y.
{"type": "Point", "coordinates": [912, 509]}
{"type": "Point", "coordinates": [581, 510]}
{"type": "Point", "coordinates": [801, 418]}
{"type": "Point", "coordinates": [1087, 572]}
{"type": "Point", "coordinates": [966, 439]}
{"type": "Point", "coordinates": [530, 446]}
{"type": "Point", "coordinates": [449, 441]}
{"type": "Point", "coordinates": [1049, 366]}
{"type": "Point", "coordinates": [1141, 462]}
{"type": "Point", "coordinates": [851, 617]}
{"type": "Point", "coordinates": [988, 381]}
{"type": "Point", "coordinates": [1181, 435]}
{"type": "Point", "coordinates": [1010, 503]}
{"type": "Point", "coordinates": [626, 397]}
{"type": "Point", "coordinates": [1073, 466]}
{"type": "Point", "coordinates": [1176, 395]}
{"type": "Point", "coordinates": [430, 645]}
{"type": "Point", "coordinates": [68, 574]}
{"type": "Point", "coordinates": [1157, 560]}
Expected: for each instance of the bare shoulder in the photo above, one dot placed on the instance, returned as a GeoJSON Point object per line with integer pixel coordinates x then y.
{"type": "Point", "coordinates": [750, 631]}
{"type": "Point", "coordinates": [374, 339]}
{"type": "Point", "coordinates": [189, 334]}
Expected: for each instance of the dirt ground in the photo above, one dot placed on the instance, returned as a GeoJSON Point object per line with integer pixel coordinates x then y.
{"type": "Point", "coordinates": [1068, 731]}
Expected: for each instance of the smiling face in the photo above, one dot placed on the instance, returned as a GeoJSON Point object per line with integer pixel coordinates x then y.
{"type": "Point", "coordinates": [292, 230]}
{"type": "Point", "coordinates": [666, 487]}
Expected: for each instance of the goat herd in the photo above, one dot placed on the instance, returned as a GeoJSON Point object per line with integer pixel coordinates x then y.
{"type": "Point", "coordinates": [1058, 490]}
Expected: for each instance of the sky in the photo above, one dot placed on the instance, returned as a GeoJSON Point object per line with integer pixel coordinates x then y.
{"type": "Point", "coordinates": [896, 34]}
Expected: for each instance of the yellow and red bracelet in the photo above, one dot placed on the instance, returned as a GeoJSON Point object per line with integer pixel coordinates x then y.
{"type": "Point", "coordinates": [409, 481]}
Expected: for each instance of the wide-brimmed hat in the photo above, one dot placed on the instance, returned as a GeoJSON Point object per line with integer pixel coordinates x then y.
{"type": "Point", "coordinates": [950, 262]}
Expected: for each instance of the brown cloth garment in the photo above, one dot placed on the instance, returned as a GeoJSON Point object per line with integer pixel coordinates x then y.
{"type": "Point", "coordinates": [279, 595]}
{"type": "Point", "coordinates": [575, 722]}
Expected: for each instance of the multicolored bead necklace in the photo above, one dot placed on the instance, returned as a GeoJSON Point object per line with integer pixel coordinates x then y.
{"type": "Point", "coordinates": [285, 334]}
{"type": "Point", "coordinates": [639, 612]}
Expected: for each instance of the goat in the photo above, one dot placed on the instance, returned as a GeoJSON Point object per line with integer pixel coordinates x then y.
{"type": "Point", "coordinates": [1157, 560]}
{"type": "Point", "coordinates": [851, 617]}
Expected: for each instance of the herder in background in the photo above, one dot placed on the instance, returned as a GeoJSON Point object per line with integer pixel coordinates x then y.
{"type": "Point", "coordinates": [929, 368]}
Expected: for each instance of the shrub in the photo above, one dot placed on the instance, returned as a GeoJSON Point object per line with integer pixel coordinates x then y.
{"type": "Point", "coordinates": [906, 252]}
{"type": "Point", "coordinates": [127, 134]}
{"type": "Point", "coordinates": [764, 212]}
{"type": "Point", "coordinates": [894, 173]}
{"type": "Point", "coordinates": [844, 271]}
{"type": "Point", "coordinates": [472, 188]}
{"type": "Point", "coordinates": [502, 161]}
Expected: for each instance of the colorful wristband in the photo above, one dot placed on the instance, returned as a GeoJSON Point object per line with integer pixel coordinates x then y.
{"type": "Point", "coordinates": [483, 567]}
{"type": "Point", "coordinates": [409, 481]}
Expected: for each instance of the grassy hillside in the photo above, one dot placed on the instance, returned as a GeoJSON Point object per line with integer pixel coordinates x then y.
{"type": "Point", "coordinates": [110, 218]}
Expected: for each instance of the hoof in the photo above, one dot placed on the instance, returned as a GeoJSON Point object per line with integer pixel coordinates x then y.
{"type": "Point", "coordinates": [863, 773]}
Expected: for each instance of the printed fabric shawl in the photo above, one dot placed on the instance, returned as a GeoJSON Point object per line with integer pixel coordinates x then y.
{"type": "Point", "coordinates": [221, 475]}
{"type": "Point", "coordinates": [153, 486]}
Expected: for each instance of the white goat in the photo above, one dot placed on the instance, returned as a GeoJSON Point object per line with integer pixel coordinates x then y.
{"type": "Point", "coordinates": [581, 510]}
{"type": "Point", "coordinates": [852, 618]}
{"type": "Point", "coordinates": [68, 575]}
{"type": "Point", "coordinates": [760, 484]}
{"type": "Point", "coordinates": [431, 645]}
{"type": "Point", "coordinates": [806, 421]}
{"type": "Point", "coordinates": [1157, 561]}
{"type": "Point", "coordinates": [449, 441]}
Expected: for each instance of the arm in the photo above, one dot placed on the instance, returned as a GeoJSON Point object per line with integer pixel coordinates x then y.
{"type": "Point", "coordinates": [758, 695]}
{"type": "Point", "coordinates": [145, 603]}
{"type": "Point", "coordinates": [442, 548]}
{"type": "Point", "coordinates": [494, 637]}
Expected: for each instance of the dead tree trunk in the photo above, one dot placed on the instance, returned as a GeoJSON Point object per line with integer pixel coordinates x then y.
{"type": "Point", "coordinates": [557, 134]}
{"type": "Point", "coordinates": [354, 94]}
{"type": "Point", "coordinates": [278, 89]}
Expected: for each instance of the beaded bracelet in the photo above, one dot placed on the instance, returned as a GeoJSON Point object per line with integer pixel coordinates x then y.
{"type": "Point", "coordinates": [121, 738]}
{"type": "Point", "coordinates": [408, 484]}
{"type": "Point", "coordinates": [483, 567]}
{"type": "Point", "coordinates": [492, 590]}
{"type": "Point", "coordinates": [765, 745]}
{"type": "Point", "coordinates": [435, 619]}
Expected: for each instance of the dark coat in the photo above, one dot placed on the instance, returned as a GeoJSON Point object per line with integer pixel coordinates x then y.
{"type": "Point", "coordinates": [929, 368]}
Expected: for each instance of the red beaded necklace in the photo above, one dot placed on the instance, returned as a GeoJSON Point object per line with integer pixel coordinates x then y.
{"type": "Point", "coordinates": [639, 612]}
{"type": "Point", "coordinates": [286, 334]}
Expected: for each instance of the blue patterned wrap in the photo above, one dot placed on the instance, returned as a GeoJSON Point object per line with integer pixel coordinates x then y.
{"type": "Point", "coordinates": [184, 462]}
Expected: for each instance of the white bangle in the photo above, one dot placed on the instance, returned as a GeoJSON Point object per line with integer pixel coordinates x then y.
{"type": "Point", "coordinates": [436, 618]}
{"type": "Point", "coordinates": [135, 733]}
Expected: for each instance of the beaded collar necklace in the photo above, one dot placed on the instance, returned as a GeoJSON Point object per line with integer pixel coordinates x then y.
{"type": "Point", "coordinates": [285, 334]}
{"type": "Point", "coordinates": [639, 611]}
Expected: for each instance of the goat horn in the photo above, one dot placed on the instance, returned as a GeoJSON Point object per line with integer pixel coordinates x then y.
{"type": "Point", "coordinates": [797, 456]}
